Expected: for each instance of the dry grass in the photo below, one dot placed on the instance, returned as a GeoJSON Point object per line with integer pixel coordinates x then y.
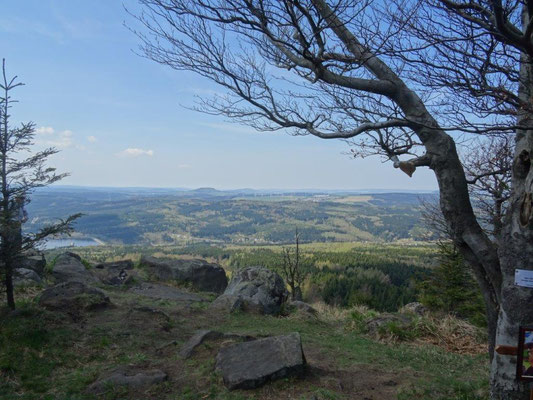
{"type": "Point", "coordinates": [453, 334]}
{"type": "Point", "coordinates": [330, 314]}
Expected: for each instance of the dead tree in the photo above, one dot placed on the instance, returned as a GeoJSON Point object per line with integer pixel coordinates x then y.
{"type": "Point", "coordinates": [292, 269]}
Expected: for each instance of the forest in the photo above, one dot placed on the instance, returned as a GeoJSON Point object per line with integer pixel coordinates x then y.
{"type": "Point", "coordinates": [136, 216]}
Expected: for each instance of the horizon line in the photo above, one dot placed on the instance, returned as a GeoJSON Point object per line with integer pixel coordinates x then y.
{"type": "Point", "coordinates": [368, 190]}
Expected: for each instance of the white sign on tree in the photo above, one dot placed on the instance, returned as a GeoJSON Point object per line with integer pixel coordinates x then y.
{"type": "Point", "coordinates": [523, 277]}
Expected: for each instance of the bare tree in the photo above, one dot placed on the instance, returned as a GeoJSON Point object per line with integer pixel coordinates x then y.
{"type": "Point", "coordinates": [292, 269]}
{"type": "Point", "coordinates": [21, 172]}
{"type": "Point", "coordinates": [357, 71]}
{"type": "Point", "coordinates": [488, 167]}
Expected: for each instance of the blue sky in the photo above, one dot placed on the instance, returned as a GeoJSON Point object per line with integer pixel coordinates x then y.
{"type": "Point", "coordinates": [118, 121]}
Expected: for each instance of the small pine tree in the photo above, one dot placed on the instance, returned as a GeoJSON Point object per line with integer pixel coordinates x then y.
{"type": "Point", "coordinates": [21, 172]}
{"type": "Point", "coordinates": [451, 287]}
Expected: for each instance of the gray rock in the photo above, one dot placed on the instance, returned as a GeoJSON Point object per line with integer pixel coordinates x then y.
{"type": "Point", "coordinates": [227, 303]}
{"type": "Point", "coordinates": [115, 273]}
{"type": "Point", "coordinates": [126, 377]}
{"type": "Point", "coordinates": [157, 291]}
{"type": "Point", "coordinates": [35, 262]}
{"type": "Point", "coordinates": [301, 306]}
{"type": "Point", "coordinates": [199, 273]}
{"type": "Point", "coordinates": [251, 364]}
{"type": "Point", "coordinates": [260, 288]}
{"type": "Point", "coordinates": [69, 268]}
{"type": "Point", "coordinates": [23, 276]}
{"type": "Point", "coordinates": [376, 324]}
{"type": "Point", "coordinates": [72, 297]}
{"type": "Point", "coordinates": [414, 308]}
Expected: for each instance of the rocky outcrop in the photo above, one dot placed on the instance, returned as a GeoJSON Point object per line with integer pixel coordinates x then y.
{"type": "Point", "coordinates": [229, 303]}
{"type": "Point", "coordinates": [128, 378]}
{"type": "Point", "coordinates": [226, 304]}
{"type": "Point", "coordinates": [71, 297]}
{"type": "Point", "coordinates": [69, 268]}
{"type": "Point", "coordinates": [34, 261]}
{"type": "Point", "coordinates": [115, 273]}
{"type": "Point", "coordinates": [259, 288]}
{"type": "Point", "coordinates": [200, 274]}
{"type": "Point", "coordinates": [251, 364]}
{"type": "Point", "coordinates": [25, 277]}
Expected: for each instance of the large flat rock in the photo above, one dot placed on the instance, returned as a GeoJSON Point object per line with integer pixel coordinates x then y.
{"type": "Point", "coordinates": [157, 291]}
{"type": "Point", "coordinates": [251, 364]}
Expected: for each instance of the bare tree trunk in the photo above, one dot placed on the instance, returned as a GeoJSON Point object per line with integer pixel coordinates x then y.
{"type": "Point", "coordinates": [516, 248]}
{"type": "Point", "coordinates": [515, 310]}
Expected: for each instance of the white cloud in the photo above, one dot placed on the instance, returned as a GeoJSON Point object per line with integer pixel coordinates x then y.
{"type": "Point", "coordinates": [134, 152]}
{"type": "Point", "coordinates": [48, 136]}
{"type": "Point", "coordinates": [45, 130]}
{"type": "Point", "coordinates": [184, 166]}
{"type": "Point", "coordinates": [92, 139]}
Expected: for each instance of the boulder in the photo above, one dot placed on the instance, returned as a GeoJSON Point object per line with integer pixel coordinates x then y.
{"type": "Point", "coordinates": [115, 273]}
{"type": "Point", "coordinates": [73, 296]}
{"type": "Point", "coordinates": [156, 291]}
{"type": "Point", "coordinates": [128, 378]}
{"type": "Point", "coordinates": [227, 303]}
{"type": "Point", "coordinates": [258, 287]}
{"type": "Point", "coordinates": [200, 274]}
{"type": "Point", "coordinates": [69, 268]}
{"type": "Point", "coordinates": [414, 308]}
{"type": "Point", "coordinates": [251, 364]}
{"type": "Point", "coordinates": [23, 276]}
{"type": "Point", "coordinates": [35, 262]}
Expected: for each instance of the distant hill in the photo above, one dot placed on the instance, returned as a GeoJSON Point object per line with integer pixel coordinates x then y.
{"type": "Point", "coordinates": [181, 216]}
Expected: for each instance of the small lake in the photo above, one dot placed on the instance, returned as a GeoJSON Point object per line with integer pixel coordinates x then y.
{"type": "Point", "coordinates": [55, 243]}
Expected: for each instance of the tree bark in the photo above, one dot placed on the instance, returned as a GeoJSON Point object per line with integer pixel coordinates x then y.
{"type": "Point", "coordinates": [516, 247]}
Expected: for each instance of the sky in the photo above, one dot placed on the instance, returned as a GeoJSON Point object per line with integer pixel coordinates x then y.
{"type": "Point", "coordinates": [119, 119]}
